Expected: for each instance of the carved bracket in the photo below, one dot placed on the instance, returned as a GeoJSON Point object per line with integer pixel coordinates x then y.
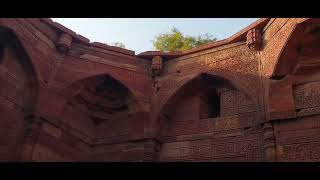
{"type": "Point", "coordinates": [254, 39]}
{"type": "Point", "coordinates": [156, 66]}
{"type": "Point", "coordinates": [64, 43]}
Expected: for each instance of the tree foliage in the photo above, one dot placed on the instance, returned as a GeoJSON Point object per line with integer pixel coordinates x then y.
{"type": "Point", "coordinates": [176, 41]}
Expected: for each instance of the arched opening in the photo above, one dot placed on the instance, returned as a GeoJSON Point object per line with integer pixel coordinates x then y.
{"type": "Point", "coordinates": [18, 90]}
{"type": "Point", "coordinates": [300, 62]}
{"type": "Point", "coordinates": [104, 97]}
{"type": "Point", "coordinates": [208, 106]}
{"type": "Point", "coordinates": [301, 52]}
{"type": "Point", "coordinates": [204, 98]}
{"type": "Point", "coordinates": [100, 107]}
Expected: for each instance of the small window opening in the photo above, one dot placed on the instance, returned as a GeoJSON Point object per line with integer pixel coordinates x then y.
{"type": "Point", "coordinates": [277, 77]}
{"type": "Point", "coordinates": [210, 104]}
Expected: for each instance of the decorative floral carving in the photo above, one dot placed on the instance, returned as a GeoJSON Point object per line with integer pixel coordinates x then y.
{"type": "Point", "coordinates": [254, 39]}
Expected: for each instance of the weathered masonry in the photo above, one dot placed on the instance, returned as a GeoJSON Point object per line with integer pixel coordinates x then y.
{"type": "Point", "coordinates": [252, 97]}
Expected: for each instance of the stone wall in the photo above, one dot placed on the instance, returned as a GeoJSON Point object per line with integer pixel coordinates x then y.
{"type": "Point", "coordinates": [267, 111]}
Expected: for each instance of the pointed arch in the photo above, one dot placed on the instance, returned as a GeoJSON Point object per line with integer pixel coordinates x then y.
{"type": "Point", "coordinates": [11, 46]}
{"type": "Point", "coordinates": [221, 79]}
{"type": "Point", "coordinates": [294, 46]}
{"type": "Point", "coordinates": [73, 89]}
{"type": "Point", "coordinates": [18, 92]}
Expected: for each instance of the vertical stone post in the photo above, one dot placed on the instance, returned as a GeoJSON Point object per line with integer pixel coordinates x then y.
{"type": "Point", "coordinates": [31, 131]}
{"type": "Point", "coordinates": [269, 142]}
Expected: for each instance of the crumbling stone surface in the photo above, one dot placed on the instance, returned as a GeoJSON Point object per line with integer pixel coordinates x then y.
{"type": "Point", "coordinates": [251, 97]}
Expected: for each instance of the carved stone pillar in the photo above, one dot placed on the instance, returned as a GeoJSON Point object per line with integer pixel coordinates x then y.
{"type": "Point", "coordinates": [254, 39]}
{"type": "Point", "coordinates": [64, 43]}
{"type": "Point", "coordinates": [32, 128]}
{"type": "Point", "coordinates": [269, 142]}
{"type": "Point", "coordinates": [151, 150]}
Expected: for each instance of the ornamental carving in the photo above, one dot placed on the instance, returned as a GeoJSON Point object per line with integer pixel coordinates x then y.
{"type": "Point", "coordinates": [110, 104]}
{"type": "Point", "coordinates": [301, 152]}
{"type": "Point", "coordinates": [156, 66]}
{"type": "Point", "coordinates": [307, 95]}
{"type": "Point", "coordinates": [188, 151]}
{"type": "Point", "coordinates": [64, 43]}
{"type": "Point", "coordinates": [254, 39]}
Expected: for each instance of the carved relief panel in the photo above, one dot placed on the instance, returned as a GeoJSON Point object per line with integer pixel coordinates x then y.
{"type": "Point", "coordinates": [301, 152]}
{"type": "Point", "coordinates": [307, 95]}
{"type": "Point", "coordinates": [236, 149]}
{"type": "Point", "coordinates": [298, 139]}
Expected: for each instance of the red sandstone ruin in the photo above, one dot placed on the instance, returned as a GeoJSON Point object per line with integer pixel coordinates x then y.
{"type": "Point", "coordinates": [252, 97]}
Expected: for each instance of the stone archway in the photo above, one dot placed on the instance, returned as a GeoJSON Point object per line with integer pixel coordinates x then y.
{"type": "Point", "coordinates": [106, 106]}
{"type": "Point", "coordinates": [300, 45]}
{"type": "Point", "coordinates": [203, 107]}
{"type": "Point", "coordinates": [18, 93]}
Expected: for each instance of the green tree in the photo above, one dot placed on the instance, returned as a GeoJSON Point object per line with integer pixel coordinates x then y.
{"type": "Point", "coordinates": [176, 41]}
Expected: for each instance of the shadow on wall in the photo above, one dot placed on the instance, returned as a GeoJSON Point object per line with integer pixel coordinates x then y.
{"type": "Point", "coordinates": [18, 93]}
{"type": "Point", "coordinates": [227, 113]}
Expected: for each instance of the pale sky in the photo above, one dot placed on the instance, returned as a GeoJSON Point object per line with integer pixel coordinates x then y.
{"type": "Point", "coordinates": [137, 33]}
